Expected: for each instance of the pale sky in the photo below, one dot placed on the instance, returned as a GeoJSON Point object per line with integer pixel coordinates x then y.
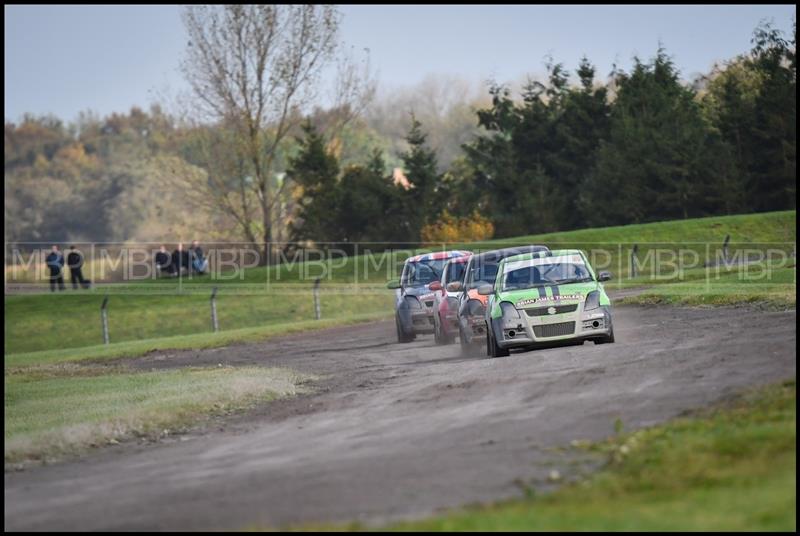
{"type": "Point", "coordinates": [67, 59]}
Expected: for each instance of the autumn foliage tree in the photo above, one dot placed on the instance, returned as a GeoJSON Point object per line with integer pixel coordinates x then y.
{"type": "Point", "coordinates": [448, 229]}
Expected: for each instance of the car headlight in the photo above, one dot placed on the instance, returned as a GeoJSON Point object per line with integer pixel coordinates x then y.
{"type": "Point", "coordinates": [413, 303]}
{"type": "Point", "coordinates": [475, 308]}
{"type": "Point", "coordinates": [509, 311]}
{"type": "Point", "coordinates": [592, 301]}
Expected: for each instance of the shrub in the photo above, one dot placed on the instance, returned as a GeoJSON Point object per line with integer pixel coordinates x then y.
{"type": "Point", "coordinates": [448, 229]}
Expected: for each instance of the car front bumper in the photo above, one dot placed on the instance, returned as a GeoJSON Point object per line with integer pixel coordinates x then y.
{"type": "Point", "coordinates": [422, 321]}
{"type": "Point", "coordinates": [450, 323]}
{"type": "Point", "coordinates": [414, 320]}
{"type": "Point", "coordinates": [473, 328]}
{"type": "Point", "coordinates": [542, 329]}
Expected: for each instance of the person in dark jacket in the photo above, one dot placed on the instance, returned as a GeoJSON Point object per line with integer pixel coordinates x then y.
{"type": "Point", "coordinates": [162, 260]}
{"type": "Point", "coordinates": [75, 263]}
{"type": "Point", "coordinates": [199, 263]}
{"type": "Point", "coordinates": [180, 260]}
{"type": "Point", "coordinates": [55, 262]}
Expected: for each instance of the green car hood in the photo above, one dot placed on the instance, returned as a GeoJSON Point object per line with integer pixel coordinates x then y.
{"type": "Point", "coordinates": [544, 296]}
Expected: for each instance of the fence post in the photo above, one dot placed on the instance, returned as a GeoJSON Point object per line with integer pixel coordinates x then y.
{"type": "Point", "coordinates": [104, 317]}
{"type": "Point", "coordinates": [725, 249]}
{"type": "Point", "coordinates": [634, 251]}
{"type": "Point", "coordinates": [317, 312]}
{"type": "Point", "coordinates": [214, 323]}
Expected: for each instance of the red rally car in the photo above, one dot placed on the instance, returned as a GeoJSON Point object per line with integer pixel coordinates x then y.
{"type": "Point", "coordinates": [445, 302]}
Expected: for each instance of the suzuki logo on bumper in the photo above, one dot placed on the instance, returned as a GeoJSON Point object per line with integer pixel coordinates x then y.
{"type": "Point", "coordinates": [551, 310]}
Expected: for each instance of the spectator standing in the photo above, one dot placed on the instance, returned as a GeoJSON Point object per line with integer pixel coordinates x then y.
{"type": "Point", "coordinates": [75, 263]}
{"type": "Point", "coordinates": [55, 262]}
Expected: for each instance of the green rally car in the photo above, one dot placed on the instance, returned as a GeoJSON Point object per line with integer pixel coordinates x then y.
{"type": "Point", "coordinates": [539, 299]}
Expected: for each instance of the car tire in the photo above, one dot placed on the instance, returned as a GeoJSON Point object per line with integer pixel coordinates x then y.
{"type": "Point", "coordinates": [608, 339]}
{"type": "Point", "coordinates": [448, 339]}
{"type": "Point", "coordinates": [402, 336]}
{"type": "Point", "coordinates": [467, 349]}
{"type": "Point", "coordinates": [444, 338]}
{"type": "Point", "coordinates": [492, 349]}
{"type": "Point", "coordinates": [437, 331]}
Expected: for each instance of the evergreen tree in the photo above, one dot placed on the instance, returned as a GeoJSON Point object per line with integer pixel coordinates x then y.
{"type": "Point", "coordinates": [659, 155]}
{"type": "Point", "coordinates": [370, 204]}
{"type": "Point", "coordinates": [492, 158]}
{"type": "Point", "coordinates": [774, 168]}
{"type": "Point", "coordinates": [730, 106]}
{"type": "Point", "coordinates": [540, 203]}
{"type": "Point", "coordinates": [419, 166]}
{"type": "Point", "coordinates": [538, 153]}
{"type": "Point", "coordinates": [578, 133]}
{"type": "Point", "coordinates": [316, 171]}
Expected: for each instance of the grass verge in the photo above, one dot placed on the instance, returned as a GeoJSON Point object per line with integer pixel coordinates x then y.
{"type": "Point", "coordinates": [48, 322]}
{"type": "Point", "coordinates": [51, 411]}
{"type": "Point", "coordinates": [196, 341]}
{"type": "Point", "coordinates": [779, 291]}
{"type": "Point", "coordinates": [732, 467]}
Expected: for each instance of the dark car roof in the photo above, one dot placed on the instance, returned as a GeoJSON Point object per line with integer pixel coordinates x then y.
{"type": "Point", "coordinates": [496, 255]}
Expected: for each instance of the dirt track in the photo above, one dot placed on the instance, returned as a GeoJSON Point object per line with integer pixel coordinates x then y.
{"type": "Point", "coordinates": [399, 431]}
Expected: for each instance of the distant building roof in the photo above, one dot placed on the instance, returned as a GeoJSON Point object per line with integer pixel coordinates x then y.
{"type": "Point", "coordinates": [401, 179]}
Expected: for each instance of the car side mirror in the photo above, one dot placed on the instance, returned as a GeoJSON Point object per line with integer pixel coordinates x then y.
{"type": "Point", "coordinates": [394, 283]}
{"type": "Point", "coordinates": [485, 290]}
{"type": "Point", "coordinates": [454, 286]}
{"type": "Point", "coordinates": [435, 286]}
{"type": "Point", "coordinates": [604, 276]}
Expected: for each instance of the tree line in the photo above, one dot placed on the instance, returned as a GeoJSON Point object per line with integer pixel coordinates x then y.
{"type": "Point", "coordinates": [567, 152]}
{"type": "Point", "coordinates": [642, 147]}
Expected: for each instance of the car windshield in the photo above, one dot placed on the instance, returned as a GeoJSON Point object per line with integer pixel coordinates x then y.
{"type": "Point", "coordinates": [422, 272]}
{"type": "Point", "coordinates": [483, 272]}
{"type": "Point", "coordinates": [556, 273]}
{"type": "Point", "coordinates": [455, 272]}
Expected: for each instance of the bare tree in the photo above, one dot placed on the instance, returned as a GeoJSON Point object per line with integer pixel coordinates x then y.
{"type": "Point", "coordinates": [445, 105]}
{"type": "Point", "coordinates": [354, 89]}
{"type": "Point", "coordinates": [254, 69]}
{"type": "Point", "coordinates": [227, 185]}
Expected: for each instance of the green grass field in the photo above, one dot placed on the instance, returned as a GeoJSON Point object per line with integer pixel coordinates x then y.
{"type": "Point", "coordinates": [732, 467]}
{"type": "Point", "coordinates": [281, 295]}
{"type": "Point", "coordinates": [55, 410]}
{"type": "Point", "coordinates": [45, 322]}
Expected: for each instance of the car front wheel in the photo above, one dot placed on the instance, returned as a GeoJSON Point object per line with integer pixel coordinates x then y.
{"type": "Point", "coordinates": [467, 349]}
{"type": "Point", "coordinates": [492, 349]}
{"type": "Point", "coordinates": [402, 336]}
{"type": "Point", "coordinates": [438, 336]}
{"type": "Point", "coordinates": [608, 339]}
